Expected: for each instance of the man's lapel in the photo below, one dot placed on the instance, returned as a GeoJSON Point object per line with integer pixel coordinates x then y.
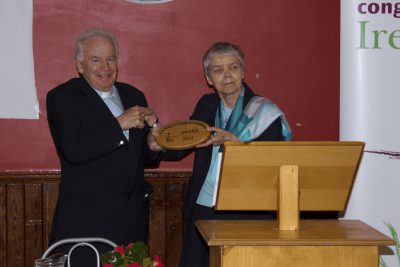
{"type": "Point", "coordinates": [96, 105]}
{"type": "Point", "coordinates": [128, 102]}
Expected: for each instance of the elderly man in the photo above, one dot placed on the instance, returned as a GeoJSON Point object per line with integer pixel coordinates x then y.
{"type": "Point", "coordinates": [100, 127]}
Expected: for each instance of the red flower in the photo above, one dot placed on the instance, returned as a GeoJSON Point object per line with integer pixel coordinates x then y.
{"type": "Point", "coordinates": [120, 249]}
{"type": "Point", "coordinates": [117, 256]}
{"type": "Point", "coordinates": [157, 261]}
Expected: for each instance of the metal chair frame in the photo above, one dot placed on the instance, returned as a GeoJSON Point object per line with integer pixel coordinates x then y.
{"type": "Point", "coordinates": [80, 242]}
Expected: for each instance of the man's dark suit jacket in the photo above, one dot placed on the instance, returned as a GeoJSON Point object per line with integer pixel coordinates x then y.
{"type": "Point", "coordinates": [205, 111]}
{"type": "Point", "coordinates": [102, 190]}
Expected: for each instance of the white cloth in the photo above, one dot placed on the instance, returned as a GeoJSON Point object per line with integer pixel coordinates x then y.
{"type": "Point", "coordinates": [18, 97]}
{"type": "Point", "coordinates": [114, 104]}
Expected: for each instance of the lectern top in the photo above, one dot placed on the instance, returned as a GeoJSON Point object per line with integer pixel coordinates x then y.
{"type": "Point", "coordinates": [250, 172]}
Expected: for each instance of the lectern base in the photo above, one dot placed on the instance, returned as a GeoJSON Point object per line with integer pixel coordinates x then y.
{"type": "Point", "coordinates": [318, 243]}
{"type": "Point", "coordinates": [294, 256]}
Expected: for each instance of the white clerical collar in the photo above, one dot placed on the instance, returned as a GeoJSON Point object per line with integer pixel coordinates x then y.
{"type": "Point", "coordinates": [103, 94]}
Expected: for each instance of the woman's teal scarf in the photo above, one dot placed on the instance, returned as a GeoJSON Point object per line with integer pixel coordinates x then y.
{"type": "Point", "coordinates": [250, 123]}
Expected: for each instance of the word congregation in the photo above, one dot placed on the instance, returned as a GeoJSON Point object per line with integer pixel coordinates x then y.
{"type": "Point", "coordinates": [380, 8]}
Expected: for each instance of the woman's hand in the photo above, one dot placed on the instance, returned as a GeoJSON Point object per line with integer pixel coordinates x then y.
{"type": "Point", "coordinates": [219, 137]}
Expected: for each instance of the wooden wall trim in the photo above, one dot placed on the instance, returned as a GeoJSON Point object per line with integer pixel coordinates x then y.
{"type": "Point", "coordinates": [54, 176]}
{"type": "Point", "coordinates": [28, 200]}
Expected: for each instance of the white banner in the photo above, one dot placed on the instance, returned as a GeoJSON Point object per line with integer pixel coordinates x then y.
{"type": "Point", "coordinates": [18, 97]}
{"type": "Point", "coordinates": [370, 109]}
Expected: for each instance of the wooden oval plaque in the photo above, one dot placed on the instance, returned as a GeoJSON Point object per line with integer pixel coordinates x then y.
{"type": "Point", "coordinates": [182, 134]}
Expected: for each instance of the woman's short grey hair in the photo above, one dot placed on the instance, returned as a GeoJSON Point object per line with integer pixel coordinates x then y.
{"type": "Point", "coordinates": [94, 32]}
{"type": "Point", "coordinates": [221, 48]}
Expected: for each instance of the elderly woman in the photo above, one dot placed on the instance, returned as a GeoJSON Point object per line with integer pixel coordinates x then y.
{"type": "Point", "coordinates": [234, 113]}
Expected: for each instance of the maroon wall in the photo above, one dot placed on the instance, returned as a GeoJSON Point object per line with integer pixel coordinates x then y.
{"type": "Point", "coordinates": [291, 48]}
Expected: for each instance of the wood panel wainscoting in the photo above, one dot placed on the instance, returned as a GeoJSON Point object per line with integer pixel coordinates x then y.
{"type": "Point", "coordinates": [28, 199]}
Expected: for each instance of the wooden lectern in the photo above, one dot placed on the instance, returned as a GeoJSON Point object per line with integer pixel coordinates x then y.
{"type": "Point", "coordinates": [290, 177]}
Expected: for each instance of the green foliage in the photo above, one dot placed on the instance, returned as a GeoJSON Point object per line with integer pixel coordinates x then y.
{"type": "Point", "coordinates": [382, 263]}
{"type": "Point", "coordinates": [395, 237]}
{"type": "Point", "coordinates": [135, 254]}
{"type": "Point", "coordinates": [147, 262]}
{"type": "Point", "coordinates": [113, 257]}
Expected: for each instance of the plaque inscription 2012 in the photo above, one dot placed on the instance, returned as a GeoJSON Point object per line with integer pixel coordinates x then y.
{"type": "Point", "coordinates": [183, 134]}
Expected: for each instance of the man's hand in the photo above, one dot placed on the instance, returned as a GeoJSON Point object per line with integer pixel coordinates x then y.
{"type": "Point", "coordinates": [151, 141]}
{"type": "Point", "coordinates": [150, 117]}
{"type": "Point", "coordinates": [131, 118]}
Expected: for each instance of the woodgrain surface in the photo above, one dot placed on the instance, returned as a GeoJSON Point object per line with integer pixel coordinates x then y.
{"type": "Point", "coordinates": [301, 256]}
{"type": "Point", "coordinates": [249, 178]}
{"type": "Point", "coordinates": [328, 243]}
{"type": "Point", "coordinates": [27, 203]}
{"type": "Point", "coordinates": [182, 134]}
{"type": "Point", "coordinates": [310, 233]}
